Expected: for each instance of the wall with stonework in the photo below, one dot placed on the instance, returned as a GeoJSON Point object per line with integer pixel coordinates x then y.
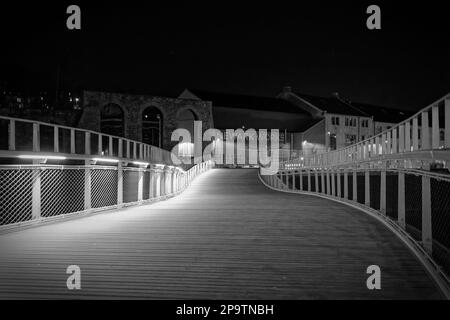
{"type": "Point", "coordinates": [133, 106]}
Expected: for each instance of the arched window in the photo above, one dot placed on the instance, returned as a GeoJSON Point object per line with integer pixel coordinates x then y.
{"type": "Point", "coordinates": [152, 125]}
{"type": "Point", "coordinates": [112, 120]}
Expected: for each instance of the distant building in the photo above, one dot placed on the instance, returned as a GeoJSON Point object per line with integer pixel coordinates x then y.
{"type": "Point", "coordinates": [340, 123]}
{"type": "Point", "coordinates": [236, 111]}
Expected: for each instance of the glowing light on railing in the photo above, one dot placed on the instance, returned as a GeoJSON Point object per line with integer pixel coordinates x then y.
{"type": "Point", "coordinates": [138, 163]}
{"type": "Point", "coordinates": [106, 160]}
{"type": "Point", "coordinates": [41, 157]}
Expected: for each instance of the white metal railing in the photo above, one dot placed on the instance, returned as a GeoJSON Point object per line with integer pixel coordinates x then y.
{"type": "Point", "coordinates": [413, 139]}
{"type": "Point", "coordinates": [38, 191]}
{"type": "Point", "coordinates": [390, 175]}
{"type": "Point", "coordinates": [33, 193]}
{"type": "Point", "coordinates": [27, 137]}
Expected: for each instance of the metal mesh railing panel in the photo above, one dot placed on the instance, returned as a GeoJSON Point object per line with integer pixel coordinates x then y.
{"type": "Point", "coordinates": [440, 217]}
{"type": "Point", "coordinates": [350, 185]}
{"type": "Point", "coordinates": [392, 195]}
{"type": "Point", "coordinates": [62, 191]}
{"type": "Point", "coordinates": [360, 187]}
{"type": "Point", "coordinates": [413, 205]}
{"type": "Point", "coordinates": [375, 183]}
{"type": "Point", "coordinates": [103, 188]}
{"type": "Point", "coordinates": [313, 183]}
{"type": "Point", "coordinates": [15, 195]}
{"type": "Point", "coordinates": [130, 186]}
{"type": "Point", "coordinates": [146, 186]}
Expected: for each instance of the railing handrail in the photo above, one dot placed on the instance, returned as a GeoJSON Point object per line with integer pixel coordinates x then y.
{"type": "Point", "coordinates": [352, 150]}
{"type": "Point", "coordinates": [4, 153]}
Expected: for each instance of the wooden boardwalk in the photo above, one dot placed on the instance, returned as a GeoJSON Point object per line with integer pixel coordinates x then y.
{"type": "Point", "coordinates": [226, 237]}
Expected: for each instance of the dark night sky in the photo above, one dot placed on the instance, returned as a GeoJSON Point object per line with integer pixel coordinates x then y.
{"type": "Point", "coordinates": [226, 46]}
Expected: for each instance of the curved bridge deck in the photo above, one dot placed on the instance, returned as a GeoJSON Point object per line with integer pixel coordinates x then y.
{"type": "Point", "coordinates": [226, 237]}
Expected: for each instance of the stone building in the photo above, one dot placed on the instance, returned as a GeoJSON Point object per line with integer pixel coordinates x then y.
{"type": "Point", "coordinates": [146, 118]}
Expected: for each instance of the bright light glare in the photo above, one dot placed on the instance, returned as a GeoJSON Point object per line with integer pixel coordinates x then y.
{"type": "Point", "coordinates": [106, 160]}
{"type": "Point", "coordinates": [41, 157]}
{"type": "Point", "coordinates": [140, 163]}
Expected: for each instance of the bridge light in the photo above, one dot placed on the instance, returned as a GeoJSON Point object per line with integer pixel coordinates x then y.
{"type": "Point", "coordinates": [41, 157]}
{"type": "Point", "coordinates": [106, 160]}
{"type": "Point", "coordinates": [140, 163]}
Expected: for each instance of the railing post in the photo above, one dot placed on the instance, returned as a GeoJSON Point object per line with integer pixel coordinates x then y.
{"type": "Point", "coordinates": [72, 141]}
{"type": "Point", "coordinates": [447, 123]}
{"type": "Point", "coordinates": [100, 147]}
{"type": "Point", "coordinates": [158, 183]}
{"type": "Point", "coordinates": [367, 187]}
{"type": "Point", "coordinates": [401, 138]}
{"type": "Point", "coordinates": [345, 184]}
{"type": "Point", "coordinates": [316, 181]}
{"type": "Point", "coordinates": [328, 182]}
{"type": "Point", "coordinates": [140, 184]}
{"type": "Point", "coordinates": [427, 236]}
{"type": "Point", "coordinates": [55, 139]}
{"type": "Point", "coordinates": [12, 135]}
{"type": "Point", "coordinates": [333, 183]}
{"type": "Point", "coordinates": [151, 183]}
{"type": "Point", "coordinates": [355, 184]}
{"type": "Point", "coordinates": [120, 148]}
{"type": "Point", "coordinates": [407, 137]}
{"type": "Point", "coordinates": [36, 142]}
{"type": "Point", "coordinates": [87, 143]}
{"type": "Point", "coordinates": [435, 127]}
{"type": "Point", "coordinates": [36, 193]}
{"type": "Point", "coordinates": [338, 183]}
{"type": "Point", "coordinates": [322, 181]}
{"type": "Point", "coordinates": [293, 180]}
{"type": "Point", "coordinates": [383, 190]}
{"type": "Point", "coordinates": [87, 184]}
{"type": "Point", "coordinates": [394, 141]}
{"type": "Point", "coordinates": [415, 134]}
{"type": "Point", "coordinates": [119, 184]}
{"type": "Point", "coordinates": [401, 200]}
{"type": "Point", "coordinates": [425, 136]}
{"type": "Point", "coordinates": [110, 146]}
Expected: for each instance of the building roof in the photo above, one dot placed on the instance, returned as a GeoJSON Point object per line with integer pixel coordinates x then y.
{"type": "Point", "coordinates": [240, 101]}
{"type": "Point", "coordinates": [332, 104]}
{"type": "Point", "coordinates": [337, 105]}
{"type": "Point", "coordinates": [383, 114]}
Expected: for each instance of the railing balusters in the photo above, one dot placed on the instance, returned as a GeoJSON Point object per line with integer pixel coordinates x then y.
{"type": "Point", "coordinates": [367, 187]}
{"type": "Point", "coordinates": [425, 132]}
{"type": "Point", "coordinates": [87, 143]}
{"type": "Point", "coordinates": [447, 123]}
{"type": "Point", "coordinates": [12, 135]}
{"type": "Point", "coordinates": [427, 236]}
{"type": "Point", "coordinates": [401, 200]}
{"type": "Point", "coordinates": [435, 127]}
{"type": "Point", "coordinates": [100, 147]}
{"type": "Point", "coordinates": [401, 139]}
{"type": "Point", "coordinates": [56, 139]}
{"type": "Point", "coordinates": [394, 141]}
{"type": "Point", "coordinates": [415, 134]}
{"type": "Point", "coordinates": [407, 137]}
{"type": "Point", "coordinates": [72, 141]}
{"type": "Point", "coordinates": [36, 143]}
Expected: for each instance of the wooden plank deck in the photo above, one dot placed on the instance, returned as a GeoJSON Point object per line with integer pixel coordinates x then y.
{"type": "Point", "coordinates": [226, 237]}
